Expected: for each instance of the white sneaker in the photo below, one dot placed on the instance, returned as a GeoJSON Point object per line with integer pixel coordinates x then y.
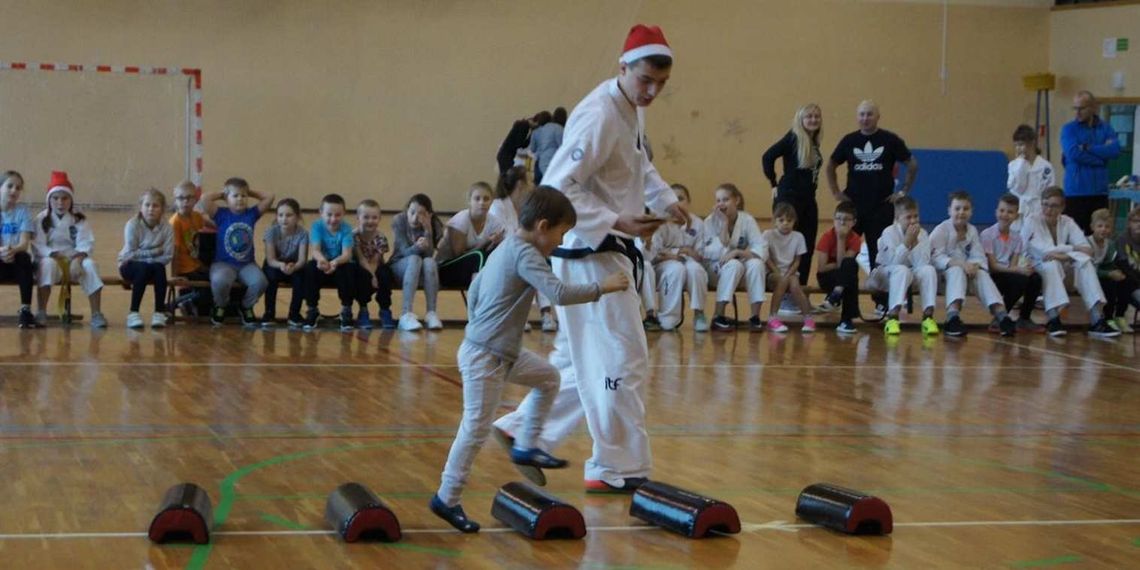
{"type": "Point", "coordinates": [158, 321]}
{"type": "Point", "coordinates": [433, 322]}
{"type": "Point", "coordinates": [134, 321]}
{"type": "Point", "coordinates": [41, 318]}
{"type": "Point", "coordinates": [409, 322]}
{"type": "Point", "coordinates": [526, 326]}
{"type": "Point", "coordinates": [700, 323]}
{"type": "Point", "coordinates": [548, 322]}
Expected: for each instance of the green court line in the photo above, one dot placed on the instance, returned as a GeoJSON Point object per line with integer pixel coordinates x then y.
{"type": "Point", "coordinates": [1066, 559]}
{"type": "Point", "coordinates": [228, 494]}
{"type": "Point", "coordinates": [284, 522]}
{"type": "Point", "coordinates": [1136, 542]}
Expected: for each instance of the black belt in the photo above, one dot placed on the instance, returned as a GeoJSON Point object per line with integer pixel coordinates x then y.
{"type": "Point", "coordinates": [612, 243]}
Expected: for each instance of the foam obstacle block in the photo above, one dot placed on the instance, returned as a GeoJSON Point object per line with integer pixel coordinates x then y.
{"type": "Point", "coordinates": [844, 510]}
{"type": "Point", "coordinates": [356, 513]}
{"type": "Point", "coordinates": [185, 515]}
{"type": "Point", "coordinates": [683, 512]}
{"type": "Point", "coordinates": [536, 514]}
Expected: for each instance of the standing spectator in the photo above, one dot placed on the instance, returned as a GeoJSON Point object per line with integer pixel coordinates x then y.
{"type": "Point", "coordinates": [800, 150]}
{"type": "Point", "coordinates": [518, 137]}
{"type": "Point", "coordinates": [544, 142]}
{"type": "Point", "coordinates": [1087, 144]}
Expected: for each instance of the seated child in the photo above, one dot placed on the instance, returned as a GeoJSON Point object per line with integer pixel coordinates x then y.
{"type": "Point", "coordinates": [286, 249]}
{"type": "Point", "coordinates": [148, 245]}
{"type": "Point", "coordinates": [235, 255]}
{"type": "Point", "coordinates": [1059, 249]}
{"type": "Point", "coordinates": [734, 255]}
{"type": "Point", "coordinates": [417, 231]}
{"type": "Point", "coordinates": [16, 231]}
{"type": "Point", "coordinates": [374, 275]}
{"type": "Point", "coordinates": [331, 263]}
{"type": "Point", "coordinates": [785, 247]}
{"type": "Point", "coordinates": [1113, 281]}
{"type": "Point", "coordinates": [468, 237]}
{"type": "Point", "coordinates": [1011, 272]}
{"type": "Point", "coordinates": [903, 257]}
{"type": "Point", "coordinates": [677, 263]}
{"type": "Point", "coordinates": [193, 250]}
{"type": "Point", "coordinates": [1128, 260]}
{"type": "Point", "coordinates": [957, 253]}
{"type": "Point", "coordinates": [647, 289]}
{"type": "Point", "coordinates": [64, 240]}
{"type": "Point", "coordinates": [491, 354]}
{"type": "Point", "coordinates": [837, 269]}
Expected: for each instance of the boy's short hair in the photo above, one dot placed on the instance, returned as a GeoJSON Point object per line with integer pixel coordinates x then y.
{"type": "Point", "coordinates": [235, 183]}
{"type": "Point", "coordinates": [654, 61]}
{"type": "Point", "coordinates": [846, 207]}
{"type": "Point", "coordinates": [1101, 215]}
{"type": "Point", "coordinates": [1052, 192]}
{"type": "Point", "coordinates": [1024, 134]}
{"type": "Point", "coordinates": [960, 195]}
{"type": "Point", "coordinates": [368, 203]}
{"type": "Point", "coordinates": [905, 204]}
{"type": "Point", "coordinates": [682, 189]}
{"type": "Point", "coordinates": [186, 186]}
{"type": "Point", "coordinates": [783, 210]}
{"type": "Point", "coordinates": [332, 199]}
{"type": "Point", "coordinates": [1010, 199]}
{"type": "Point", "coordinates": [546, 203]}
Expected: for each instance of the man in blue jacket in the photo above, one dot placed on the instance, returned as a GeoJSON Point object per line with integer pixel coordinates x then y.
{"type": "Point", "coordinates": [1087, 144]}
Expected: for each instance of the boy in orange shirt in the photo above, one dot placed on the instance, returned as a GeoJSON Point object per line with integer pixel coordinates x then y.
{"type": "Point", "coordinates": [193, 237]}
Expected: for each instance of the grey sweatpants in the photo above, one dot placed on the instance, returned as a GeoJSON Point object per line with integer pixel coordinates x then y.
{"type": "Point", "coordinates": [410, 269]}
{"type": "Point", "coordinates": [222, 276]}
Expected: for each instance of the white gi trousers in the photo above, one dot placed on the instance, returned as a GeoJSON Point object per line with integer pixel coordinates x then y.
{"type": "Point", "coordinates": [673, 278]}
{"type": "Point", "coordinates": [732, 274]}
{"type": "Point", "coordinates": [957, 285]}
{"type": "Point", "coordinates": [648, 289]}
{"type": "Point", "coordinates": [85, 273]}
{"type": "Point", "coordinates": [1053, 274]}
{"type": "Point", "coordinates": [896, 281]}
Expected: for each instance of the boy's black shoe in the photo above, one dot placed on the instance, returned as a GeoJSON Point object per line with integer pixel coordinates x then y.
{"type": "Point", "coordinates": [248, 319]}
{"type": "Point", "coordinates": [453, 515]}
{"type": "Point", "coordinates": [1102, 330]}
{"type": "Point", "coordinates": [723, 324]}
{"type": "Point", "coordinates": [1055, 328]}
{"type": "Point", "coordinates": [954, 327]}
{"type": "Point", "coordinates": [27, 319]}
{"type": "Point", "coordinates": [218, 316]}
{"type": "Point", "coordinates": [346, 323]}
{"type": "Point", "coordinates": [1007, 326]}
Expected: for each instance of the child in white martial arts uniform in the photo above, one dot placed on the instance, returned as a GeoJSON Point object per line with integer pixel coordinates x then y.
{"type": "Point", "coordinates": [904, 256]}
{"type": "Point", "coordinates": [677, 262]}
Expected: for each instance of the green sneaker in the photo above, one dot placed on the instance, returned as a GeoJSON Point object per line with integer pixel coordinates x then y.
{"type": "Point", "coordinates": [929, 327]}
{"type": "Point", "coordinates": [892, 326]}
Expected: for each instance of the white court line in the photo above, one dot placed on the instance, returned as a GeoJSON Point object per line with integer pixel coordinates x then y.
{"type": "Point", "coordinates": [1067, 355]}
{"type": "Point", "coordinates": [747, 527]}
{"type": "Point", "coordinates": [404, 365]}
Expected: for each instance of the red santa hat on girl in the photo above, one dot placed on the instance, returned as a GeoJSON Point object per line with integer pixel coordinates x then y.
{"type": "Point", "coordinates": [644, 41]}
{"type": "Point", "coordinates": [59, 183]}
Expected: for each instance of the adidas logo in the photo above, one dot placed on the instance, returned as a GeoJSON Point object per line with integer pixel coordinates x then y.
{"type": "Point", "coordinates": [867, 157]}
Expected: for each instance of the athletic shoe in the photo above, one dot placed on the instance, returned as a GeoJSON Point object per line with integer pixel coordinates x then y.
{"type": "Point", "coordinates": [809, 325]}
{"type": "Point", "coordinates": [1028, 325]}
{"type": "Point", "coordinates": [1008, 327]}
{"type": "Point", "coordinates": [268, 318]}
{"type": "Point", "coordinates": [953, 327]}
{"type": "Point", "coordinates": [346, 323]}
{"type": "Point", "coordinates": [248, 319]}
{"type": "Point", "coordinates": [756, 325]}
{"type": "Point", "coordinates": [364, 320]}
{"type": "Point", "coordinates": [847, 327]}
{"type": "Point", "coordinates": [295, 321]}
{"type": "Point", "coordinates": [386, 320]}
{"type": "Point", "coordinates": [994, 327]}
{"type": "Point", "coordinates": [1112, 324]}
{"type": "Point", "coordinates": [651, 324]}
{"type": "Point", "coordinates": [628, 485]}
{"type": "Point", "coordinates": [774, 324]}
{"type": "Point", "coordinates": [723, 324]}
{"type": "Point", "coordinates": [98, 321]}
{"type": "Point", "coordinates": [929, 327]}
{"type": "Point", "coordinates": [828, 306]}
{"type": "Point", "coordinates": [26, 319]}
{"type": "Point", "coordinates": [1055, 327]}
{"type": "Point", "coordinates": [1102, 330]}
{"type": "Point", "coordinates": [134, 321]}
{"type": "Point", "coordinates": [507, 442]}
{"type": "Point", "coordinates": [700, 323]}
{"type": "Point", "coordinates": [312, 316]}
{"type": "Point", "coordinates": [453, 515]}
{"type": "Point", "coordinates": [217, 316]}
{"type": "Point", "coordinates": [432, 321]}
{"type": "Point", "coordinates": [526, 326]}
{"type": "Point", "coordinates": [158, 321]}
{"type": "Point", "coordinates": [549, 324]}
{"type": "Point", "coordinates": [1123, 326]}
{"type": "Point", "coordinates": [41, 318]}
{"type": "Point", "coordinates": [788, 307]}
{"type": "Point", "coordinates": [892, 327]}
{"type": "Point", "coordinates": [536, 457]}
{"type": "Point", "coordinates": [878, 314]}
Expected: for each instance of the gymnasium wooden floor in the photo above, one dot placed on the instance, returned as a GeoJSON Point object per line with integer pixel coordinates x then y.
{"type": "Point", "coordinates": [992, 453]}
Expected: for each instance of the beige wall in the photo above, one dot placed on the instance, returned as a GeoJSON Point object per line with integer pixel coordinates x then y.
{"type": "Point", "coordinates": [1075, 56]}
{"type": "Point", "coordinates": [383, 99]}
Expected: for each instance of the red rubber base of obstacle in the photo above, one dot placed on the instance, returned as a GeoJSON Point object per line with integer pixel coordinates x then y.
{"type": "Point", "coordinates": [870, 509]}
{"type": "Point", "coordinates": [721, 517]}
{"type": "Point", "coordinates": [375, 523]}
{"type": "Point", "coordinates": [179, 522]}
{"type": "Point", "coordinates": [565, 520]}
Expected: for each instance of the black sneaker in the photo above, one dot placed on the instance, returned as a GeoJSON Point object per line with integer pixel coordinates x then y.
{"type": "Point", "coordinates": [755, 324]}
{"type": "Point", "coordinates": [26, 319]}
{"type": "Point", "coordinates": [453, 515]}
{"type": "Point", "coordinates": [346, 322]}
{"type": "Point", "coordinates": [1102, 330]}
{"type": "Point", "coordinates": [248, 319]}
{"type": "Point", "coordinates": [723, 324]}
{"type": "Point", "coordinates": [295, 321]}
{"type": "Point", "coordinates": [218, 316]}
{"type": "Point", "coordinates": [651, 324]}
{"type": "Point", "coordinates": [1055, 328]}
{"type": "Point", "coordinates": [954, 327]}
{"type": "Point", "coordinates": [1007, 326]}
{"type": "Point", "coordinates": [311, 318]}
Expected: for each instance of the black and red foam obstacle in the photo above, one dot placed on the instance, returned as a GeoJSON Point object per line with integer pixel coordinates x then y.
{"type": "Point", "coordinates": [536, 514]}
{"type": "Point", "coordinates": [358, 514]}
{"type": "Point", "coordinates": [185, 515]}
{"type": "Point", "coordinates": [683, 512]}
{"type": "Point", "coordinates": [844, 510]}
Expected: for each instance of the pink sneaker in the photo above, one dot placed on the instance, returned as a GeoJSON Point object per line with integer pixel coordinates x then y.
{"type": "Point", "coordinates": [809, 325]}
{"type": "Point", "coordinates": [776, 325]}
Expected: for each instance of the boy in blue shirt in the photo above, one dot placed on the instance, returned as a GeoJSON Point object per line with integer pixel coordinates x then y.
{"type": "Point", "coordinates": [330, 240]}
{"type": "Point", "coordinates": [234, 259]}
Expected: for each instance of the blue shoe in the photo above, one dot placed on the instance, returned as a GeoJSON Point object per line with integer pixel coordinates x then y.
{"type": "Point", "coordinates": [536, 457]}
{"type": "Point", "coordinates": [453, 515]}
{"type": "Point", "coordinates": [386, 320]}
{"type": "Point", "coordinates": [363, 321]}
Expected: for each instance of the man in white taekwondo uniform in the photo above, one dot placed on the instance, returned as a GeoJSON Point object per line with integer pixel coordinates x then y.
{"type": "Point", "coordinates": [600, 349]}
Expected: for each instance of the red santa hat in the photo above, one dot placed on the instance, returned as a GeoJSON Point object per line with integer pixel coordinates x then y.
{"type": "Point", "coordinates": [59, 183]}
{"type": "Point", "coordinates": [644, 41]}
